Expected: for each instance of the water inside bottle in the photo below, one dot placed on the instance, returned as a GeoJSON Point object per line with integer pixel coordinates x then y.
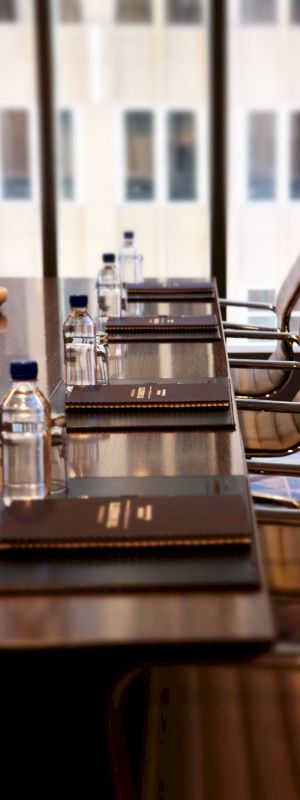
{"type": "Point", "coordinates": [79, 354]}
{"type": "Point", "coordinates": [26, 461]}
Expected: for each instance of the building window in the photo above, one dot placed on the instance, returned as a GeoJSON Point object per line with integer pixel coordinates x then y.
{"type": "Point", "coordinates": [182, 11]}
{"type": "Point", "coordinates": [8, 11]}
{"type": "Point", "coordinates": [261, 156]}
{"type": "Point", "coordinates": [134, 11]}
{"type": "Point", "coordinates": [181, 156]}
{"type": "Point", "coordinates": [139, 155]}
{"type": "Point", "coordinates": [15, 155]}
{"type": "Point", "coordinates": [69, 11]}
{"type": "Point", "coordinates": [295, 11]}
{"type": "Point", "coordinates": [258, 11]}
{"type": "Point", "coordinates": [66, 155]}
{"type": "Point", "coordinates": [294, 188]}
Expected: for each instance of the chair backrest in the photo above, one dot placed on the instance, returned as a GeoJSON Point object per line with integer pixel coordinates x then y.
{"type": "Point", "coordinates": [288, 295]}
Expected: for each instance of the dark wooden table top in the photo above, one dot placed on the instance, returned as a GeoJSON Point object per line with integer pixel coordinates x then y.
{"type": "Point", "coordinates": [31, 326]}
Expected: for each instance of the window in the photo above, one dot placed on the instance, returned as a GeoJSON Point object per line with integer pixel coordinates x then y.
{"type": "Point", "coordinates": [69, 10]}
{"type": "Point", "coordinates": [139, 155]}
{"type": "Point", "coordinates": [295, 10]}
{"type": "Point", "coordinates": [134, 10]}
{"type": "Point", "coordinates": [262, 318]}
{"type": "Point", "coordinates": [181, 156]}
{"type": "Point", "coordinates": [8, 11]}
{"type": "Point", "coordinates": [15, 158]}
{"type": "Point", "coordinates": [294, 187]}
{"type": "Point", "coordinates": [261, 156]}
{"type": "Point", "coordinates": [258, 11]}
{"type": "Point", "coordinates": [184, 11]}
{"type": "Point", "coordinates": [66, 155]}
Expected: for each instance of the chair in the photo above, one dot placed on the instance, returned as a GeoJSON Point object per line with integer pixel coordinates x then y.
{"type": "Point", "coordinates": [279, 529]}
{"type": "Point", "coordinates": [269, 428]}
{"type": "Point", "coordinates": [252, 377]}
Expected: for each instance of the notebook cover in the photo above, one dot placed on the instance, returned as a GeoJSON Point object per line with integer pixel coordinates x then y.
{"type": "Point", "coordinates": [162, 322]}
{"type": "Point", "coordinates": [213, 394]}
{"type": "Point", "coordinates": [172, 287]}
{"type": "Point", "coordinates": [164, 328]}
{"type": "Point", "coordinates": [127, 522]}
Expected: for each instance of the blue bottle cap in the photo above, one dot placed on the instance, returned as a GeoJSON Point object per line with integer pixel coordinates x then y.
{"type": "Point", "coordinates": [108, 258]}
{"type": "Point", "coordinates": [23, 370]}
{"type": "Point", "coordinates": [128, 234]}
{"type": "Point", "coordinates": [78, 300]}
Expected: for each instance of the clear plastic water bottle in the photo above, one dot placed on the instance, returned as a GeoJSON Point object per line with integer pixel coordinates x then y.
{"type": "Point", "coordinates": [26, 436]}
{"type": "Point", "coordinates": [79, 332]}
{"type": "Point", "coordinates": [131, 262]}
{"type": "Point", "coordinates": [108, 290]}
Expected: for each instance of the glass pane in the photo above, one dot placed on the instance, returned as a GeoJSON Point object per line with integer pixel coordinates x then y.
{"type": "Point", "coordinates": [263, 154]}
{"type": "Point", "coordinates": [258, 11]}
{"type": "Point", "coordinates": [8, 11]}
{"type": "Point", "coordinates": [295, 157]}
{"type": "Point", "coordinates": [15, 155]}
{"type": "Point", "coordinates": [134, 137]}
{"type": "Point", "coordinates": [134, 10]}
{"type": "Point", "coordinates": [66, 155]}
{"type": "Point", "coordinates": [261, 149]}
{"type": "Point", "coordinates": [295, 10]}
{"type": "Point", "coordinates": [20, 208]}
{"type": "Point", "coordinates": [184, 10]}
{"type": "Point", "coordinates": [182, 156]}
{"type": "Point", "coordinates": [139, 155]}
{"type": "Point", "coordinates": [69, 10]}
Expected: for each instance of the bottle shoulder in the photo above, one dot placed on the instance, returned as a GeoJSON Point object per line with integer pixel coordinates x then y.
{"type": "Point", "coordinates": [78, 320]}
{"type": "Point", "coordinates": [24, 398]}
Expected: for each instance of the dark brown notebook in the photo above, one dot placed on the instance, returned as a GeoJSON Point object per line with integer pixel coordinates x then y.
{"type": "Point", "coordinates": [212, 394]}
{"type": "Point", "coordinates": [171, 288]}
{"type": "Point", "coordinates": [163, 327]}
{"type": "Point", "coordinates": [127, 522]}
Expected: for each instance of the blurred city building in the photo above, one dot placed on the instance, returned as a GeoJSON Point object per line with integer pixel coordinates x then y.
{"type": "Point", "coordinates": [132, 134]}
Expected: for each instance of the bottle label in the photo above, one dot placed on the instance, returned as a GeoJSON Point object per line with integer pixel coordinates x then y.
{"type": "Point", "coordinates": [86, 340]}
{"type": "Point", "coordinates": [24, 427]}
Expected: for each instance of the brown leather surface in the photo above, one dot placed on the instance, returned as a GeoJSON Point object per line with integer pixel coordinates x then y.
{"type": "Point", "coordinates": [218, 519]}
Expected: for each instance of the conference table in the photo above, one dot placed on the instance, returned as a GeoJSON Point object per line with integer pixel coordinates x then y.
{"type": "Point", "coordinates": [38, 607]}
{"type": "Point", "coordinates": [177, 692]}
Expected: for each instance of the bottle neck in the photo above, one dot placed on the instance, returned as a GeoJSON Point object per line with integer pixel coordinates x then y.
{"type": "Point", "coordinates": [79, 312]}
{"type": "Point", "coordinates": [24, 386]}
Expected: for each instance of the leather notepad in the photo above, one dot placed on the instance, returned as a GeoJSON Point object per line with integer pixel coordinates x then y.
{"type": "Point", "coordinates": [173, 288]}
{"type": "Point", "coordinates": [127, 522]}
{"type": "Point", "coordinates": [148, 406]}
{"type": "Point", "coordinates": [163, 328]}
{"type": "Point", "coordinates": [212, 393]}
